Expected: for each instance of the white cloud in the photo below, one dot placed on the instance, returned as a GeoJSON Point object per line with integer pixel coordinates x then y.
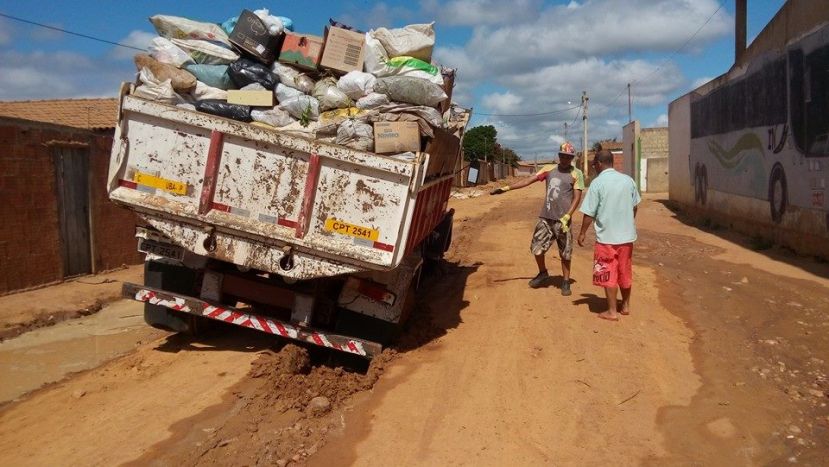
{"type": "Point", "coordinates": [661, 120]}
{"type": "Point", "coordinates": [41, 75]}
{"type": "Point", "coordinates": [504, 103]}
{"type": "Point", "coordinates": [560, 34]}
{"type": "Point", "coordinates": [138, 39]}
{"type": "Point", "coordinates": [700, 81]}
{"type": "Point", "coordinates": [482, 12]}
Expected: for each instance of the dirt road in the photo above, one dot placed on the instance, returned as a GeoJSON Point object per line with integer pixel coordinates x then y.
{"type": "Point", "coordinates": [722, 362]}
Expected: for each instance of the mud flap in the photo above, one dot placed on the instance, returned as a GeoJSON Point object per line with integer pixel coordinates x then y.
{"type": "Point", "coordinates": [366, 327]}
{"type": "Point", "coordinates": [173, 279]}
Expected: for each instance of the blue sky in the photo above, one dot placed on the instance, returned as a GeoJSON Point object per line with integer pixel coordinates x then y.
{"type": "Point", "coordinates": [513, 57]}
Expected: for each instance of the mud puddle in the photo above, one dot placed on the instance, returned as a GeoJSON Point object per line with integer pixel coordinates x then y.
{"type": "Point", "coordinates": [46, 355]}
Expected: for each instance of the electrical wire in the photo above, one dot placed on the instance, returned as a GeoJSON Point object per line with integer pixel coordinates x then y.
{"type": "Point", "coordinates": [531, 115]}
{"type": "Point", "coordinates": [669, 57]}
{"type": "Point", "coordinates": [69, 32]}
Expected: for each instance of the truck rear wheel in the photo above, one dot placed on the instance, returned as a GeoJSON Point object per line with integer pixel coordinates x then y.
{"type": "Point", "coordinates": [177, 279]}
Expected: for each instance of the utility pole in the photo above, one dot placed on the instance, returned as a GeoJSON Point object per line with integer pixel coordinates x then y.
{"type": "Point", "coordinates": [584, 100]}
{"type": "Point", "coordinates": [630, 117]}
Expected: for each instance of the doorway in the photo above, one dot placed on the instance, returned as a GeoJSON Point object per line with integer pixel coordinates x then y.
{"type": "Point", "coordinates": [72, 184]}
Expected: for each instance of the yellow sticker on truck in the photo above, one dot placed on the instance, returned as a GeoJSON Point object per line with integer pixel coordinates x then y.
{"type": "Point", "coordinates": [344, 228]}
{"type": "Point", "coordinates": [171, 186]}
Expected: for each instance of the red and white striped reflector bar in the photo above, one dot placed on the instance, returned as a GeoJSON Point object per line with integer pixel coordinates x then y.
{"type": "Point", "coordinates": [229, 315]}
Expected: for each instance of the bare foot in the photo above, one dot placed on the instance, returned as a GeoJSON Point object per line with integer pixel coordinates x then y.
{"type": "Point", "coordinates": [608, 316]}
{"type": "Point", "coordinates": [624, 311]}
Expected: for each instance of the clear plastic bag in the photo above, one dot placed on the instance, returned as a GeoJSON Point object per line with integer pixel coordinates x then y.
{"type": "Point", "coordinates": [329, 95]}
{"type": "Point", "coordinates": [165, 51]}
{"type": "Point", "coordinates": [176, 27]}
{"type": "Point", "coordinates": [275, 117]}
{"type": "Point", "coordinates": [153, 89]}
{"type": "Point", "coordinates": [292, 78]}
{"type": "Point", "coordinates": [303, 108]}
{"type": "Point", "coordinates": [372, 101]}
{"type": "Point", "coordinates": [414, 40]}
{"type": "Point", "coordinates": [204, 92]}
{"type": "Point", "coordinates": [206, 52]}
{"type": "Point", "coordinates": [283, 93]}
{"type": "Point", "coordinates": [357, 84]}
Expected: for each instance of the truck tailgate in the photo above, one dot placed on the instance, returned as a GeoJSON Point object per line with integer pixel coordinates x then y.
{"type": "Point", "coordinates": [245, 194]}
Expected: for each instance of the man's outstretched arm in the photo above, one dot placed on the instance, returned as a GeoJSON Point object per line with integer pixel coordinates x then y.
{"type": "Point", "coordinates": [520, 184]}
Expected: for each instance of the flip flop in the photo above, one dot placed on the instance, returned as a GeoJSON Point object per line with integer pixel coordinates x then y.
{"type": "Point", "coordinates": [607, 317]}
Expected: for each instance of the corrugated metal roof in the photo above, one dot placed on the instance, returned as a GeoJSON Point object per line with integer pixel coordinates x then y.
{"type": "Point", "coordinates": [91, 114]}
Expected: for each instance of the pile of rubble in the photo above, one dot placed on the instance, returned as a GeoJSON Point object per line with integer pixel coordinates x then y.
{"type": "Point", "coordinates": [374, 91]}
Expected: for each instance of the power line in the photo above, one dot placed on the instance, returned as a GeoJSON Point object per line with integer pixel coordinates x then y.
{"type": "Point", "coordinates": [669, 57]}
{"type": "Point", "coordinates": [577, 115]}
{"type": "Point", "coordinates": [69, 32]}
{"type": "Point", "coordinates": [531, 115]}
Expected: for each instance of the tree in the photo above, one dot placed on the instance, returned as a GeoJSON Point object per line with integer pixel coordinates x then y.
{"type": "Point", "coordinates": [480, 143]}
{"type": "Point", "coordinates": [507, 156]}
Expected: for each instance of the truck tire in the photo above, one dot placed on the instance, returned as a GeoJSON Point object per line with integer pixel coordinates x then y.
{"type": "Point", "coordinates": [176, 279]}
{"type": "Point", "coordinates": [778, 193]}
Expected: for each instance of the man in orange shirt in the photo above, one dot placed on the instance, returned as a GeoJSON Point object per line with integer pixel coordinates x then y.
{"type": "Point", "coordinates": [565, 184]}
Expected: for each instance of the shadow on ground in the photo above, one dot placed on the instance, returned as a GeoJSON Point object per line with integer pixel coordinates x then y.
{"type": "Point", "coordinates": [811, 264]}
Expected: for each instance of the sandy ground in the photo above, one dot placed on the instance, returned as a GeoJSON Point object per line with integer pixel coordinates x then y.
{"type": "Point", "coordinates": [722, 362]}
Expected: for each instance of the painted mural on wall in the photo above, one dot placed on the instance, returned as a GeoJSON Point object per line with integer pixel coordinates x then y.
{"type": "Point", "coordinates": [765, 134]}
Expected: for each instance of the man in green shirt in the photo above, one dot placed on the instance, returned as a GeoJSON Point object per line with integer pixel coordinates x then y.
{"type": "Point", "coordinates": [564, 187]}
{"type": "Point", "coordinates": [611, 202]}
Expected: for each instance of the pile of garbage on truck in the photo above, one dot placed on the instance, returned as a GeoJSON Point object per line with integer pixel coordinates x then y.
{"type": "Point", "coordinates": [373, 91]}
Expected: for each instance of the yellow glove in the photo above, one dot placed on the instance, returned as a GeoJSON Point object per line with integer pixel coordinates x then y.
{"type": "Point", "coordinates": [565, 222]}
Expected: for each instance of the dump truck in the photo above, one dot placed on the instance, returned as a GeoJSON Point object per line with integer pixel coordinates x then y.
{"type": "Point", "coordinates": [288, 235]}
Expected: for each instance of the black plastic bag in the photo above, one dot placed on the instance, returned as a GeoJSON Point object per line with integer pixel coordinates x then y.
{"type": "Point", "coordinates": [223, 109]}
{"type": "Point", "coordinates": [245, 71]}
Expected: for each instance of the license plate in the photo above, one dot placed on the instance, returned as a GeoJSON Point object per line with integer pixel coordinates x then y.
{"type": "Point", "coordinates": [160, 249]}
{"type": "Point", "coordinates": [167, 185]}
{"type": "Point", "coordinates": [344, 228]}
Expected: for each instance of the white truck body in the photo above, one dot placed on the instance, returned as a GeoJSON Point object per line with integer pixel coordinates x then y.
{"type": "Point", "coordinates": [271, 202]}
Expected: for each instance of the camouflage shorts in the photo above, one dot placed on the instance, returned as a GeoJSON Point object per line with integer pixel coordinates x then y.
{"type": "Point", "coordinates": [547, 230]}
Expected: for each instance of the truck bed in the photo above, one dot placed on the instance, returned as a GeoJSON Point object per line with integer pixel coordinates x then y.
{"type": "Point", "coordinates": [255, 196]}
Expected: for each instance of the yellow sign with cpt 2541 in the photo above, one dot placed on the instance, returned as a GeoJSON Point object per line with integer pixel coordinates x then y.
{"type": "Point", "coordinates": [344, 228]}
{"type": "Point", "coordinates": [171, 186]}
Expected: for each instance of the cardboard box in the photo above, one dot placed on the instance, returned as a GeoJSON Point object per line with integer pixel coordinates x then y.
{"type": "Point", "coordinates": [396, 137]}
{"type": "Point", "coordinates": [344, 50]}
{"type": "Point", "coordinates": [252, 98]}
{"type": "Point", "coordinates": [301, 50]}
{"type": "Point", "coordinates": [251, 35]}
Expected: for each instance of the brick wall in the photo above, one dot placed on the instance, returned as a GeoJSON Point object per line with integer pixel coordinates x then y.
{"type": "Point", "coordinates": [30, 250]}
{"type": "Point", "coordinates": [654, 142]}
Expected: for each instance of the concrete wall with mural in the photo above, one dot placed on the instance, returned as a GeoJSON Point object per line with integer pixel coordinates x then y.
{"type": "Point", "coordinates": [758, 155]}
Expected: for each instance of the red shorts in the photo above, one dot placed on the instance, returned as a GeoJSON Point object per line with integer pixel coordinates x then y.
{"type": "Point", "coordinates": [612, 265]}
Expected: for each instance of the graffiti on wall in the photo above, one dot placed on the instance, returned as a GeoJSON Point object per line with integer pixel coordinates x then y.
{"type": "Point", "coordinates": [765, 133]}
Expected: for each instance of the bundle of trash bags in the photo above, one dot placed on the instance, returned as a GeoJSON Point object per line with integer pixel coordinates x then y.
{"type": "Point", "coordinates": [201, 66]}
